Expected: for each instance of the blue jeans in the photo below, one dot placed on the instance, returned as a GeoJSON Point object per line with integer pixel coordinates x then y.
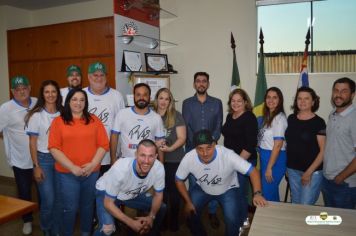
{"type": "Point", "coordinates": [229, 201]}
{"type": "Point", "coordinates": [142, 202]}
{"type": "Point", "coordinates": [77, 193]}
{"type": "Point", "coordinates": [49, 201]}
{"type": "Point", "coordinates": [213, 205]}
{"type": "Point", "coordinates": [271, 190]}
{"type": "Point", "coordinates": [338, 195]}
{"type": "Point", "coordinates": [23, 179]}
{"type": "Point", "coordinates": [304, 194]}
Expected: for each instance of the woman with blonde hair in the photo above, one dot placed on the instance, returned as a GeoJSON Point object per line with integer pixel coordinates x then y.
{"type": "Point", "coordinates": [175, 136]}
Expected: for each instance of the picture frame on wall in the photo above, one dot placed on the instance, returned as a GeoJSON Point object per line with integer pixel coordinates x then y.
{"type": "Point", "coordinates": [155, 82]}
{"type": "Point", "coordinates": [131, 61]}
{"type": "Point", "coordinates": [156, 62]}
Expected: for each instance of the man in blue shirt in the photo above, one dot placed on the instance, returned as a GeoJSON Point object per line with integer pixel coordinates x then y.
{"type": "Point", "coordinates": [202, 111]}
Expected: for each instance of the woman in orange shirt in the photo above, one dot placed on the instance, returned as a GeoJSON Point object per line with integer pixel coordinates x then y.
{"type": "Point", "coordinates": [78, 142]}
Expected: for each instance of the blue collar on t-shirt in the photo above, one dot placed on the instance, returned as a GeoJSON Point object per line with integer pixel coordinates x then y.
{"type": "Point", "coordinates": [135, 171]}
{"type": "Point", "coordinates": [133, 109]}
{"type": "Point", "coordinates": [212, 159]}
{"type": "Point", "coordinates": [18, 103]}
{"type": "Point", "coordinates": [105, 91]}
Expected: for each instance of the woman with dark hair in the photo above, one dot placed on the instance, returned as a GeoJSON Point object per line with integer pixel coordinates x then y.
{"type": "Point", "coordinates": [78, 142]}
{"type": "Point", "coordinates": [38, 121]}
{"type": "Point", "coordinates": [172, 147]}
{"type": "Point", "coordinates": [240, 134]}
{"type": "Point", "coordinates": [305, 137]}
{"type": "Point", "coordinates": [271, 143]}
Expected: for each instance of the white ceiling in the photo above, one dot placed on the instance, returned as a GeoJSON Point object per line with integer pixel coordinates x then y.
{"type": "Point", "coordinates": [38, 4]}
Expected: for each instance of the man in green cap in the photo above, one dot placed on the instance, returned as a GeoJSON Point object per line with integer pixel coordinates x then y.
{"type": "Point", "coordinates": [74, 78]}
{"type": "Point", "coordinates": [104, 102]}
{"type": "Point", "coordinates": [215, 169]}
{"type": "Point", "coordinates": [12, 130]}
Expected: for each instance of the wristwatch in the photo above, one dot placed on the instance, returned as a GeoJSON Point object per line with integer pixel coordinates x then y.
{"type": "Point", "coordinates": [258, 192]}
{"type": "Point", "coordinates": [153, 217]}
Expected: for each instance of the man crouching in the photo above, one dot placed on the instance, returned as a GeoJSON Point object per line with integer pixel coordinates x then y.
{"type": "Point", "coordinates": [126, 183]}
{"type": "Point", "coordinates": [214, 167]}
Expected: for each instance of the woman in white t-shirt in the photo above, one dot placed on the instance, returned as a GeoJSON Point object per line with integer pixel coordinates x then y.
{"type": "Point", "coordinates": [271, 142]}
{"type": "Point", "coordinates": [38, 122]}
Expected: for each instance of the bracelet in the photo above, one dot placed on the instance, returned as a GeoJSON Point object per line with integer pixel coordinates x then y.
{"type": "Point", "coordinates": [153, 217]}
{"type": "Point", "coordinates": [258, 192]}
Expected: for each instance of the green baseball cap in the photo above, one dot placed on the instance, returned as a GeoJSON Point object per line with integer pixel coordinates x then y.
{"type": "Point", "coordinates": [73, 68]}
{"type": "Point", "coordinates": [203, 136]}
{"type": "Point", "coordinates": [19, 80]}
{"type": "Point", "coordinates": [97, 66]}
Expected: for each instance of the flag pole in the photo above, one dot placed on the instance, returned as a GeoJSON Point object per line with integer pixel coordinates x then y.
{"type": "Point", "coordinates": [235, 77]}
{"type": "Point", "coordinates": [303, 77]}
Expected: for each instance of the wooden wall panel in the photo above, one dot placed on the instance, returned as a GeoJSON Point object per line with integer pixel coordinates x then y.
{"type": "Point", "coordinates": [21, 44]}
{"type": "Point", "coordinates": [58, 41]}
{"type": "Point", "coordinates": [44, 52]}
{"type": "Point", "coordinates": [56, 70]}
{"type": "Point", "coordinates": [97, 37]}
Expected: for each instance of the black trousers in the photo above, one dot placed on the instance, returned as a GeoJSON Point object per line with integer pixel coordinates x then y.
{"type": "Point", "coordinates": [23, 179]}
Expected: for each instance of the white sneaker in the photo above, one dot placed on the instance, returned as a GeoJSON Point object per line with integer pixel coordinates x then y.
{"type": "Point", "coordinates": [27, 228]}
{"type": "Point", "coordinates": [246, 223]}
{"type": "Point", "coordinates": [241, 230]}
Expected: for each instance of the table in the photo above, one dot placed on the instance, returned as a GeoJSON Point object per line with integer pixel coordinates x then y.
{"type": "Point", "coordinates": [287, 219]}
{"type": "Point", "coordinates": [12, 208]}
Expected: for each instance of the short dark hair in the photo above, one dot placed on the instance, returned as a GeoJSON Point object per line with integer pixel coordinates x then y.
{"type": "Point", "coordinates": [67, 115]}
{"type": "Point", "coordinates": [201, 73]}
{"type": "Point", "coordinates": [147, 143]}
{"type": "Point", "coordinates": [315, 98]}
{"type": "Point", "coordinates": [139, 85]}
{"type": "Point", "coordinates": [346, 80]}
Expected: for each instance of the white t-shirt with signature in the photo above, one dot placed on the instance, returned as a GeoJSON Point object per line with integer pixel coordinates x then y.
{"type": "Point", "coordinates": [105, 106]}
{"type": "Point", "coordinates": [121, 181]}
{"type": "Point", "coordinates": [132, 128]}
{"type": "Point", "coordinates": [217, 176]}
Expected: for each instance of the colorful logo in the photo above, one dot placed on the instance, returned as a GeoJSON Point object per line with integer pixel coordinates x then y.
{"type": "Point", "coordinates": [129, 28]}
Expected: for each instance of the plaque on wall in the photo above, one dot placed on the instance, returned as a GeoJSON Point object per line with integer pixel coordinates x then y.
{"type": "Point", "coordinates": [131, 61]}
{"type": "Point", "coordinates": [156, 62]}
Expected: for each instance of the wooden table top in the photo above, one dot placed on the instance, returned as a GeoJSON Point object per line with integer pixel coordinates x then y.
{"type": "Point", "coordinates": [13, 208]}
{"type": "Point", "coordinates": [287, 219]}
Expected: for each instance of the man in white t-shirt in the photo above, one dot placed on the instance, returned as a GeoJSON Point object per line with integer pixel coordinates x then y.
{"type": "Point", "coordinates": [136, 123]}
{"type": "Point", "coordinates": [126, 183]}
{"type": "Point", "coordinates": [74, 78]}
{"type": "Point", "coordinates": [104, 102]}
{"type": "Point", "coordinates": [215, 167]}
{"type": "Point", "coordinates": [12, 128]}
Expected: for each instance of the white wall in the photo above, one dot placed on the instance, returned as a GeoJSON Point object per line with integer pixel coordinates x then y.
{"type": "Point", "coordinates": [202, 32]}
{"type": "Point", "coordinates": [14, 18]}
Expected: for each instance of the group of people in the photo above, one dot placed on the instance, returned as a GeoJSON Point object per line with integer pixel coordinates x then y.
{"type": "Point", "coordinates": [89, 153]}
